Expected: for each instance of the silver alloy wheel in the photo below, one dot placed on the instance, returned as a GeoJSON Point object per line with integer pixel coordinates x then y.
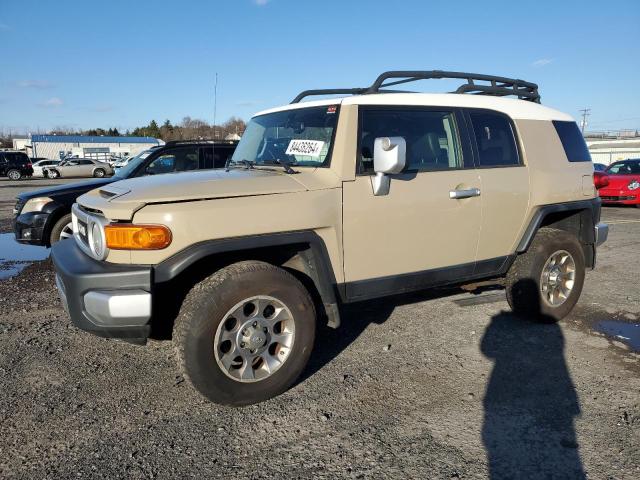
{"type": "Point", "coordinates": [53, 173]}
{"type": "Point", "coordinates": [14, 175]}
{"type": "Point", "coordinates": [99, 173]}
{"type": "Point", "coordinates": [557, 278]}
{"type": "Point", "coordinates": [67, 231]}
{"type": "Point", "coordinates": [254, 339]}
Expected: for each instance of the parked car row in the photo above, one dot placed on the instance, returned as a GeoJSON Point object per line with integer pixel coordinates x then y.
{"type": "Point", "coordinates": [43, 216]}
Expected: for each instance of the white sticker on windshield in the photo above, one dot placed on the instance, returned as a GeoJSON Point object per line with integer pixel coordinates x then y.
{"type": "Point", "coordinates": [311, 148]}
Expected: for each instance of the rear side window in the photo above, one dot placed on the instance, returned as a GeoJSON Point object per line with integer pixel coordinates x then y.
{"type": "Point", "coordinates": [572, 141]}
{"type": "Point", "coordinates": [495, 140]}
{"type": "Point", "coordinates": [17, 158]}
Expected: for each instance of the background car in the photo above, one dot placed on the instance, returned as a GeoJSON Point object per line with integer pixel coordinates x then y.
{"type": "Point", "coordinates": [599, 167]}
{"type": "Point", "coordinates": [624, 183]}
{"type": "Point", "coordinates": [15, 165]}
{"type": "Point", "coordinates": [79, 167]}
{"type": "Point", "coordinates": [43, 216]}
{"type": "Point", "coordinates": [38, 167]}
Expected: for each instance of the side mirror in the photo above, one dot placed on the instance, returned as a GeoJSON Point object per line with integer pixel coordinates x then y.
{"type": "Point", "coordinates": [389, 157]}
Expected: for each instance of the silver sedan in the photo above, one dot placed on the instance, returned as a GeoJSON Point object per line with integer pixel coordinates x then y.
{"type": "Point", "coordinates": [79, 167]}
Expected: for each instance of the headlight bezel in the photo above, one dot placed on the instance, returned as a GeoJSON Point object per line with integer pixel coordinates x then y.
{"type": "Point", "coordinates": [95, 231]}
{"type": "Point", "coordinates": [35, 204]}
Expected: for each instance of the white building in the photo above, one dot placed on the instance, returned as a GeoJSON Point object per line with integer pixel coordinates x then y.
{"type": "Point", "coordinates": [609, 151]}
{"type": "Point", "coordinates": [98, 147]}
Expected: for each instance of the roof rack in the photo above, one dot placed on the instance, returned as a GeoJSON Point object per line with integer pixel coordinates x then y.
{"type": "Point", "coordinates": [207, 141]}
{"type": "Point", "coordinates": [495, 86]}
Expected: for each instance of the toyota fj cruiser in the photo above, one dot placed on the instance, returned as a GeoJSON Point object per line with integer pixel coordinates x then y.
{"type": "Point", "coordinates": [333, 201]}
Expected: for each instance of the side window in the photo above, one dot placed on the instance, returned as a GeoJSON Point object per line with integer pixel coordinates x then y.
{"type": "Point", "coordinates": [572, 141]}
{"type": "Point", "coordinates": [216, 157]}
{"type": "Point", "coordinates": [495, 140]}
{"type": "Point", "coordinates": [431, 137]}
{"type": "Point", "coordinates": [2, 159]}
{"type": "Point", "coordinates": [174, 160]}
{"type": "Point", "coordinates": [85, 162]}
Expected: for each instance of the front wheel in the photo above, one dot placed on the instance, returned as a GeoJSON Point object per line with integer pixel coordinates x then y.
{"type": "Point", "coordinates": [14, 174]}
{"type": "Point", "coordinates": [98, 173]}
{"type": "Point", "coordinates": [245, 333]}
{"type": "Point", "coordinates": [53, 173]}
{"type": "Point", "coordinates": [545, 282]}
{"type": "Point", "coordinates": [62, 230]}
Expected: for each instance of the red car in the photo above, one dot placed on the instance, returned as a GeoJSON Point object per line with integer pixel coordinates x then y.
{"type": "Point", "coordinates": [624, 183]}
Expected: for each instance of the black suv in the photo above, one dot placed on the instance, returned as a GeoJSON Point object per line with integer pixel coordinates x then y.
{"type": "Point", "coordinates": [15, 165]}
{"type": "Point", "coordinates": [42, 217]}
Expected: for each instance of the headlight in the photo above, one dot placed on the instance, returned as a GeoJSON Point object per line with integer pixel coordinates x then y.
{"type": "Point", "coordinates": [96, 240]}
{"type": "Point", "coordinates": [35, 204]}
{"type": "Point", "coordinates": [634, 185]}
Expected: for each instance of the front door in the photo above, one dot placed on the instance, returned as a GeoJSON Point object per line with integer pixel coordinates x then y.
{"type": "Point", "coordinates": [419, 234]}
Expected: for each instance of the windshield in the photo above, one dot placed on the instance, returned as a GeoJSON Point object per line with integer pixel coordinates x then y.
{"type": "Point", "coordinates": [629, 167]}
{"type": "Point", "coordinates": [301, 137]}
{"type": "Point", "coordinates": [132, 165]}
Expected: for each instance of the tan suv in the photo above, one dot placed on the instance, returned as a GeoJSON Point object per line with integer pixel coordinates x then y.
{"type": "Point", "coordinates": [334, 201]}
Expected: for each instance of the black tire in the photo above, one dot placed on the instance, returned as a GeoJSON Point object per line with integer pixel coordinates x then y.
{"type": "Point", "coordinates": [59, 228]}
{"type": "Point", "coordinates": [99, 173]}
{"type": "Point", "coordinates": [523, 281]}
{"type": "Point", "coordinates": [204, 308]}
{"type": "Point", "coordinates": [14, 174]}
{"type": "Point", "coordinates": [53, 173]}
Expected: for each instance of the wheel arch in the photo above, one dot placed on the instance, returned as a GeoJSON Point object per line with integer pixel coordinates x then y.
{"type": "Point", "coordinates": [578, 218]}
{"type": "Point", "coordinates": [302, 253]}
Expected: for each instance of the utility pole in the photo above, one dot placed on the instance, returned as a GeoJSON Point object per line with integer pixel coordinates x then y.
{"type": "Point", "coordinates": [585, 113]}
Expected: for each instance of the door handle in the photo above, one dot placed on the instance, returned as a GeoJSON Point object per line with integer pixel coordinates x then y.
{"type": "Point", "coordinates": [468, 193]}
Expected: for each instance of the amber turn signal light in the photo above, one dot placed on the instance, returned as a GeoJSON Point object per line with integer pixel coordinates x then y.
{"type": "Point", "coordinates": [126, 236]}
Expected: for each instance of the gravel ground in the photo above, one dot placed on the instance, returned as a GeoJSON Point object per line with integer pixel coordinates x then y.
{"type": "Point", "coordinates": [442, 385]}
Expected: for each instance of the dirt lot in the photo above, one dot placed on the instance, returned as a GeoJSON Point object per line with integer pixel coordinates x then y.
{"type": "Point", "coordinates": [443, 385]}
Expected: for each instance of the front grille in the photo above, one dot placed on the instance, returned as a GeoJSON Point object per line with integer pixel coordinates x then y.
{"type": "Point", "coordinates": [617, 199]}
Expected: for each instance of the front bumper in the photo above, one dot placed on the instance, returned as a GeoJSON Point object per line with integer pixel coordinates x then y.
{"type": "Point", "coordinates": [30, 227]}
{"type": "Point", "coordinates": [108, 300]}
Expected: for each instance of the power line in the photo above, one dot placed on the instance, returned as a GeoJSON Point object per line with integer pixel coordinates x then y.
{"type": "Point", "coordinates": [585, 113]}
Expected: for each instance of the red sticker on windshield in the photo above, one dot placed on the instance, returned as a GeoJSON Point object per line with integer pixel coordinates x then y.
{"type": "Point", "coordinates": [332, 109]}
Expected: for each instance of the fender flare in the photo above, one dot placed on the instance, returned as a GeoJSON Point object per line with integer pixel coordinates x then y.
{"type": "Point", "coordinates": [317, 264]}
{"type": "Point", "coordinates": [591, 214]}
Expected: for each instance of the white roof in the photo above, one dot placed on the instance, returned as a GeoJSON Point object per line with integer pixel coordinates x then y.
{"type": "Point", "coordinates": [517, 109]}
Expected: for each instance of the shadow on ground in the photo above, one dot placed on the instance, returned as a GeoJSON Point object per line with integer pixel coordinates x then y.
{"type": "Point", "coordinates": [530, 401]}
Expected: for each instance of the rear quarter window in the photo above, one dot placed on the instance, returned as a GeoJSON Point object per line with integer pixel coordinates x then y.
{"type": "Point", "coordinates": [572, 141]}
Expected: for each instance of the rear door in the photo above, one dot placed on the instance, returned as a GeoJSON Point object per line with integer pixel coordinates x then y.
{"type": "Point", "coordinates": [419, 234]}
{"type": "Point", "coordinates": [504, 186]}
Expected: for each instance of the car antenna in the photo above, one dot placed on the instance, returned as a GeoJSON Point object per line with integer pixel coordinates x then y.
{"type": "Point", "coordinates": [215, 108]}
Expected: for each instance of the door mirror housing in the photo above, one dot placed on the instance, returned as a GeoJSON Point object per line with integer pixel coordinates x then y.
{"type": "Point", "coordinates": [389, 157]}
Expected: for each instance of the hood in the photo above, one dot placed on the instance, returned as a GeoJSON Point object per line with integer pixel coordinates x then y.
{"type": "Point", "coordinates": [121, 199]}
{"type": "Point", "coordinates": [66, 189]}
{"type": "Point", "coordinates": [621, 181]}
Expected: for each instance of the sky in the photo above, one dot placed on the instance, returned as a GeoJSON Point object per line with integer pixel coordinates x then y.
{"type": "Point", "coordinates": [87, 64]}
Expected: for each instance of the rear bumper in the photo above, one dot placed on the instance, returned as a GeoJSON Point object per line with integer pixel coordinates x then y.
{"type": "Point", "coordinates": [107, 300]}
{"type": "Point", "coordinates": [602, 233]}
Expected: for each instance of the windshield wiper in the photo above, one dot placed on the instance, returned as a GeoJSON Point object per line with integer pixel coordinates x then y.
{"type": "Point", "coordinates": [248, 164]}
{"type": "Point", "coordinates": [286, 166]}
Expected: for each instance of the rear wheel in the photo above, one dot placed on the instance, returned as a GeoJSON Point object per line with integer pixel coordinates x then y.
{"type": "Point", "coordinates": [14, 174]}
{"type": "Point", "coordinates": [245, 333]}
{"type": "Point", "coordinates": [545, 282]}
{"type": "Point", "coordinates": [62, 230]}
